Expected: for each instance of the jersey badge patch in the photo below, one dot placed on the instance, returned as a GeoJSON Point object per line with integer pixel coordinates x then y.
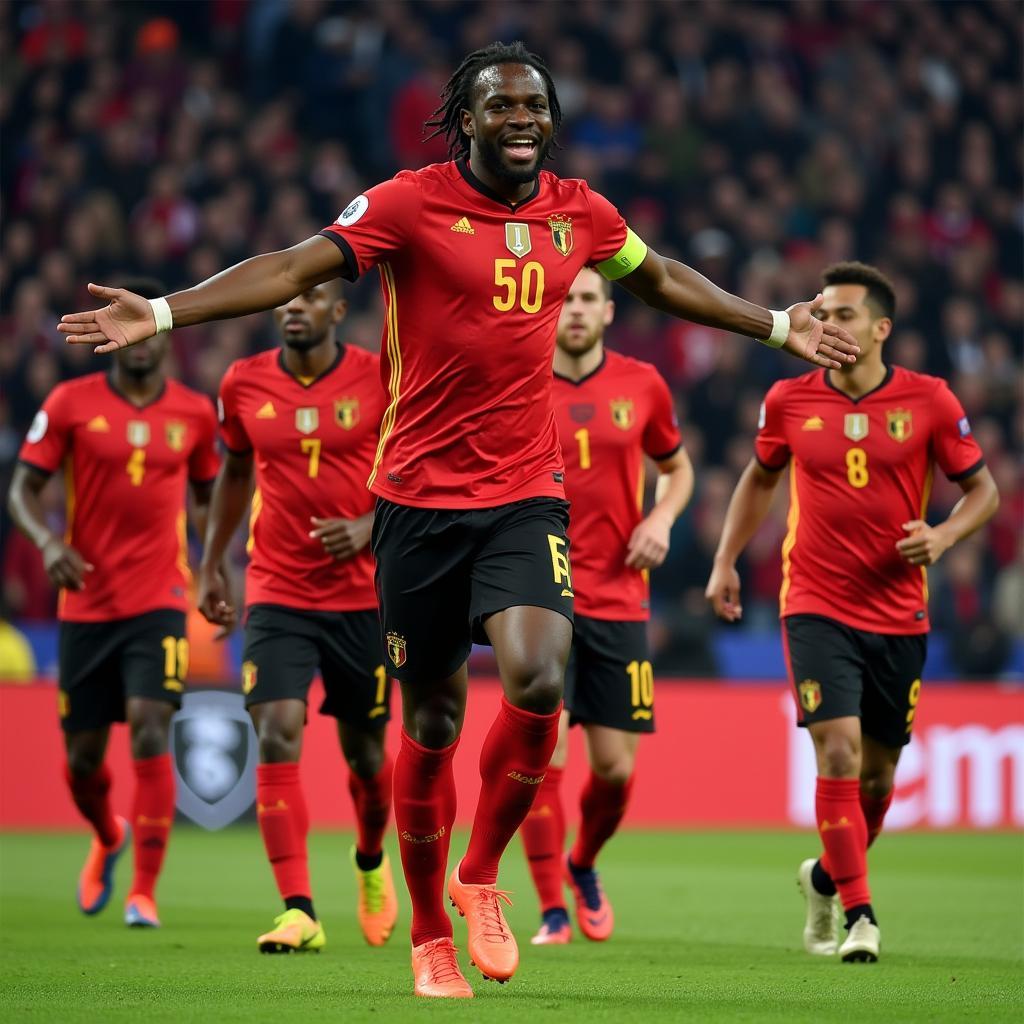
{"type": "Point", "coordinates": [396, 649]}
{"type": "Point", "coordinates": [138, 433]}
{"type": "Point", "coordinates": [964, 426]}
{"type": "Point", "coordinates": [623, 413]}
{"type": "Point", "coordinates": [249, 671]}
{"type": "Point", "coordinates": [813, 423]}
{"type": "Point", "coordinates": [561, 233]}
{"type": "Point", "coordinates": [175, 434]}
{"type": "Point", "coordinates": [517, 239]}
{"type": "Point", "coordinates": [899, 423]}
{"type": "Point", "coordinates": [346, 412]}
{"type": "Point", "coordinates": [581, 412]}
{"type": "Point", "coordinates": [463, 227]}
{"type": "Point", "coordinates": [810, 695]}
{"type": "Point", "coordinates": [855, 425]}
{"type": "Point", "coordinates": [98, 425]}
{"type": "Point", "coordinates": [353, 211]}
{"type": "Point", "coordinates": [307, 419]}
{"type": "Point", "coordinates": [266, 412]}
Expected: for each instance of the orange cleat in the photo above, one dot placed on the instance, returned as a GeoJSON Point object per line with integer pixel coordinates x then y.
{"type": "Point", "coordinates": [378, 905]}
{"type": "Point", "coordinates": [435, 968]}
{"type": "Point", "coordinates": [555, 930]}
{"type": "Point", "coordinates": [492, 946]}
{"type": "Point", "coordinates": [140, 912]}
{"type": "Point", "coordinates": [96, 879]}
{"type": "Point", "coordinates": [594, 913]}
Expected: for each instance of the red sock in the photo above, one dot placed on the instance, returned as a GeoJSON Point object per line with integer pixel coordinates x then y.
{"type": "Point", "coordinates": [91, 794]}
{"type": "Point", "coordinates": [424, 788]}
{"type": "Point", "coordinates": [152, 815]}
{"type": "Point", "coordinates": [844, 834]}
{"type": "Point", "coordinates": [874, 808]}
{"type": "Point", "coordinates": [543, 834]}
{"type": "Point", "coordinates": [284, 824]}
{"type": "Point", "coordinates": [602, 805]}
{"type": "Point", "coordinates": [372, 800]}
{"type": "Point", "coordinates": [513, 761]}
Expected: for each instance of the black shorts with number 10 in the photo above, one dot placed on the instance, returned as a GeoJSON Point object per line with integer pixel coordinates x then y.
{"type": "Point", "coordinates": [441, 573]}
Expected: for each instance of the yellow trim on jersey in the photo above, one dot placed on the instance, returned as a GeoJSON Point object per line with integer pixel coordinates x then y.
{"type": "Point", "coordinates": [640, 486]}
{"type": "Point", "coordinates": [926, 493]}
{"type": "Point", "coordinates": [626, 260]}
{"type": "Point", "coordinates": [792, 521]}
{"type": "Point", "coordinates": [254, 513]}
{"type": "Point", "coordinates": [182, 559]}
{"type": "Point", "coordinates": [394, 351]}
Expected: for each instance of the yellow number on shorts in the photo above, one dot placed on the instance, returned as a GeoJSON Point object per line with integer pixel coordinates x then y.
{"type": "Point", "coordinates": [175, 661]}
{"type": "Point", "coordinates": [912, 698]}
{"type": "Point", "coordinates": [857, 467]}
{"type": "Point", "coordinates": [641, 686]}
{"type": "Point", "coordinates": [382, 685]}
{"type": "Point", "coordinates": [311, 446]}
{"type": "Point", "coordinates": [560, 564]}
{"type": "Point", "coordinates": [529, 288]}
{"type": "Point", "coordinates": [583, 438]}
{"type": "Point", "coordinates": [136, 468]}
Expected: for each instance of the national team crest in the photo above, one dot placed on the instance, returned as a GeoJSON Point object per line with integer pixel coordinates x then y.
{"type": "Point", "coordinates": [581, 412]}
{"type": "Point", "coordinates": [307, 419]}
{"type": "Point", "coordinates": [396, 649]}
{"type": "Point", "coordinates": [138, 433]}
{"type": "Point", "coordinates": [175, 434]}
{"type": "Point", "coordinates": [623, 413]}
{"type": "Point", "coordinates": [810, 695]}
{"type": "Point", "coordinates": [517, 239]}
{"type": "Point", "coordinates": [561, 233]}
{"type": "Point", "coordinates": [899, 423]}
{"type": "Point", "coordinates": [855, 425]}
{"type": "Point", "coordinates": [346, 412]}
{"type": "Point", "coordinates": [249, 671]}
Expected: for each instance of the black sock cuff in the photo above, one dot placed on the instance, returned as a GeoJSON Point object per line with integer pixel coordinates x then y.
{"type": "Point", "coordinates": [303, 903]}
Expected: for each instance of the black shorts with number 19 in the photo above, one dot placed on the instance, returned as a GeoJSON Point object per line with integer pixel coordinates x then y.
{"type": "Point", "coordinates": [441, 573]}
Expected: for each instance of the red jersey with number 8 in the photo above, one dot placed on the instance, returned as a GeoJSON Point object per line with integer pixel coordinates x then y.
{"type": "Point", "coordinates": [859, 470]}
{"type": "Point", "coordinates": [472, 288]}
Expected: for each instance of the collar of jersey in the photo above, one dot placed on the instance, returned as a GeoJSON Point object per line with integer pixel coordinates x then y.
{"type": "Point", "coordinates": [124, 398]}
{"type": "Point", "coordinates": [867, 394]}
{"type": "Point", "coordinates": [478, 186]}
{"type": "Point", "coordinates": [596, 370]}
{"type": "Point", "coordinates": [338, 356]}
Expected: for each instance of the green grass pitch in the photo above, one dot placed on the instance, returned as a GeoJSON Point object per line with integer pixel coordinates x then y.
{"type": "Point", "coordinates": [708, 929]}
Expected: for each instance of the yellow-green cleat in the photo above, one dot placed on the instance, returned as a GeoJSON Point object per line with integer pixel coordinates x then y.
{"type": "Point", "coordinates": [294, 931]}
{"type": "Point", "coordinates": [378, 905]}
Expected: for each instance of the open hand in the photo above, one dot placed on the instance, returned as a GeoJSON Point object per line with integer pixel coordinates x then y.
{"type": "Point", "coordinates": [214, 599]}
{"type": "Point", "coordinates": [723, 592]}
{"type": "Point", "coordinates": [648, 545]}
{"type": "Point", "coordinates": [824, 344]}
{"type": "Point", "coordinates": [127, 319]}
{"type": "Point", "coordinates": [64, 565]}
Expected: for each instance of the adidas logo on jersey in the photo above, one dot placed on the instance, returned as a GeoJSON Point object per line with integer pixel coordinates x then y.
{"type": "Point", "coordinates": [813, 423]}
{"type": "Point", "coordinates": [266, 412]}
{"type": "Point", "coordinates": [99, 425]}
{"type": "Point", "coordinates": [463, 226]}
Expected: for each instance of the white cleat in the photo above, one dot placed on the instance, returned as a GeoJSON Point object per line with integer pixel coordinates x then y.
{"type": "Point", "coordinates": [862, 944]}
{"type": "Point", "coordinates": [821, 929]}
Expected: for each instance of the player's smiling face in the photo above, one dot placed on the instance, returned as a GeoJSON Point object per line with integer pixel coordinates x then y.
{"type": "Point", "coordinates": [309, 318]}
{"type": "Point", "coordinates": [510, 124]}
{"type": "Point", "coordinates": [847, 305]}
{"type": "Point", "coordinates": [585, 314]}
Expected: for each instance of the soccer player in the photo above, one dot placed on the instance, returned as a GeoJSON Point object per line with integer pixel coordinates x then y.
{"type": "Point", "coordinates": [305, 418]}
{"type": "Point", "coordinates": [128, 441]}
{"type": "Point", "coordinates": [860, 444]}
{"type": "Point", "coordinates": [611, 412]}
{"type": "Point", "coordinates": [475, 257]}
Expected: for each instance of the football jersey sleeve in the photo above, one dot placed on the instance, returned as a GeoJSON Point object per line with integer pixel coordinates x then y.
{"type": "Point", "coordinates": [953, 444]}
{"type": "Point", "coordinates": [232, 431]}
{"type": "Point", "coordinates": [376, 223]}
{"type": "Point", "coordinates": [770, 446]}
{"type": "Point", "coordinates": [49, 436]}
{"type": "Point", "coordinates": [617, 251]}
{"type": "Point", "coordinates": [204, 462]}
{"type": "Point", "coordinates": [661, 438]}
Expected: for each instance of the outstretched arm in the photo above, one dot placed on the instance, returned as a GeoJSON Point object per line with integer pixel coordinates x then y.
{"type": "Point", "coordinates": [256, 284]}
{"type": "Point", "coordinates": [679, 290]}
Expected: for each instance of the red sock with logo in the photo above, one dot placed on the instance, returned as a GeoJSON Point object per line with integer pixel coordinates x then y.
{"type": "Point", "coordinates": [91, 794]}
{"type": "Point", "coordinates": [513, 761]}
{"type": "Point", "coordinates": [543, 833]}
{"type": "Point", "coordinates": [602, 805]}
{"type": "Point", "coordinates": [284, 825]}
{"type": "Point", "coordinates": [875, 809]}
{"type": "Point", "coordinates": [152, 816]}
{"type": "Point", "coordinates": [424, 793]}
{"type": "Point", "coordinates": [372, 800]}
{"type": "Point", "coordinates": [844, 835]}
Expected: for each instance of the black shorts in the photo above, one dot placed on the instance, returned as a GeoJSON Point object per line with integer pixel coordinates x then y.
{"type": "Point", "coordinates": [102, 664]}
{"type": "Point", "coordinates": [609, 680]}
{"type": "Point", "coordinates": [442, 572]}
{"type": "Point", "coordinates": [837, 671]}
{"type": "Point", "coordinates": [285, 646]}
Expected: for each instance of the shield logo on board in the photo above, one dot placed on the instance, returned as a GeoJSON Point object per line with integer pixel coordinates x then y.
{"type": "Point", "coordinates": [810, 695]}
{"type": "Point", "coordinates": [138, 433]}
{"type": "Point", "coordinates": [396, 649]}
{"type": "Point", "coordinates": [899, 423]}
{"type": "Point", "coordinates": [855, 425]}
{"type": "Point", "coordinates": [623, 415]}
{"type": "Point", "coordinates": [517, 239]}
{"type": "Point", "coordinates": [175, 434]}
{"type": "Point", "coordinates": [561, 233]}
{"type": "Point", "coordinates": [307, 419]}
{"type": "Point", "coordinates": [346, 412]}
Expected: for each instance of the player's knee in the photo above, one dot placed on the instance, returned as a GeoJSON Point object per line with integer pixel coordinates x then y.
{"type": "Point", "coordinates": [366, 756]}
{"type": "Point", "coordinates": [277, 747]}
{"type": "Point", "coordinates": [537, 687]}
{"type": "Point", "coordinates": [877, 785]}
{"type": "Point", "coordinates": [435, 727]}
{"type": "Point", "coordinates": [82, 763]}
{"type": "Point", "coordinates": [839, 760]}
{"type": "Point", "coordinates": [148, 739]}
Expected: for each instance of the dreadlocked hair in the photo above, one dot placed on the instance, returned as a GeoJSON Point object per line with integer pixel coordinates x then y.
{"type": "Point", "coordinates": [456, 94]}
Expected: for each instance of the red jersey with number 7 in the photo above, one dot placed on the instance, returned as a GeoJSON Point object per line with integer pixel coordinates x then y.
{"type": "Point", "coordinates": [860, 469]}
{"type": "Point", "coordinates": [312, 443]}
{"type": "Point", "coordinates": [607, 422]}
{"type": "Point", "coordinates": [125, 474]}
{"type": "Point", "coordinates": [473, 287]}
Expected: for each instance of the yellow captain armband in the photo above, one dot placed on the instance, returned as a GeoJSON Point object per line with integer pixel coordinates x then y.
{"type": "Point", "coordinates": [626, 260]}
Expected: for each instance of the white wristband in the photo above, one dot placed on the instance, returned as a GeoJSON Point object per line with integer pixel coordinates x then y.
{"type": "Point", "coordinates": [165, 320]}
{"type": "Point", "coordinates": [780, 329]}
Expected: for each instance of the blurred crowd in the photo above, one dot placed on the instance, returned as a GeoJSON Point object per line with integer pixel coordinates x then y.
{"type": "Point", "coordinates": [757, 142]}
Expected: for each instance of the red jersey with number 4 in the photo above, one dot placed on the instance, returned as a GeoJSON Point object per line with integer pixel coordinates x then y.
{"type": "Point", "coordinates": [859, 470]}
{"type": "Point", "coordinates": [125, 474]}
{"type": "Point", "coordinates": [313, 445]}
{"type": "Point", "coordinates": [607, 422]}
{"type": "Point", "coordinates": [473, 287]}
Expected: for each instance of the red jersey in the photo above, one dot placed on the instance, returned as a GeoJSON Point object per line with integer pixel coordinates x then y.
{"type": "Point", "coordinates": [125, 474]}
{"type": "Point", "coordinates": [473, 287]}
{"type": "Point", "coordinates": [313, 445]}
{"type": "Point", "coordinates": [860, 469]}
{"type": "Point", "coordinates": [607, 422]}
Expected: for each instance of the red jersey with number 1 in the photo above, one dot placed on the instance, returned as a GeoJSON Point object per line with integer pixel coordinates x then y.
{"type": "Point", "coordinates": [473, 287]}
{"type": "Point", "coordinates": [313, 445]}
{"type": "Point", "coordinates": [125, 473]}
{"type": "Point", "coordinates": [607, 422]}
{"type": "Point", "coordinates": [859, 470]}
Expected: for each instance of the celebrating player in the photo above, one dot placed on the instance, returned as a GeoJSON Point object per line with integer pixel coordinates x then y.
{"type": "Point", "coordinates": [611, 411]}
{"type": "Point", "coordinates": [860, 445]}
{"type": "Point", "coordinates": [128, 441]}
{"type": "Point", "coordinates": [306, 416]}
{"type": "Point", "coordinates": [475, 257]}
